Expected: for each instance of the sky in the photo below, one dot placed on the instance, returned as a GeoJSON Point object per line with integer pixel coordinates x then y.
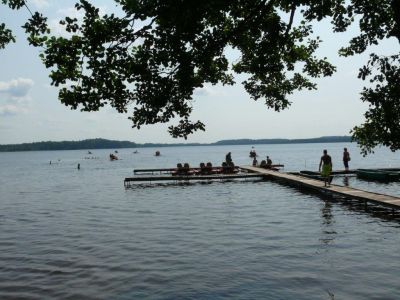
{"type": "Point", "coordinates": [31, 112]}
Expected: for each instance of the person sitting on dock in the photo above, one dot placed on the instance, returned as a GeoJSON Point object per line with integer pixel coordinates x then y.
{"type": "Point", "coordinates": [263, 164]}
{"type": "Point", "coordinates": [187, 170]}
{"type": "Point", "coordinates": [228, 168]}
{"type": "Point", "coordinates": [203, 169]}
{"type": "Point", "coordinates": [178, 171]}
{"type": "Point", "coordinates": [255, 162]}
{"type": "Point", "coordinates": [225, 168]}
{"type": "Point", "coordinates": [269, 163]}
{"type": "Point", "coordinates": [326, 163]}
{"type": "Point", "coordinates": [210, 168]}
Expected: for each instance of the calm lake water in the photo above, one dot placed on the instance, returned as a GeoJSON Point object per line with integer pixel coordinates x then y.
{"type": "Point", "coordinates": [79, 234]}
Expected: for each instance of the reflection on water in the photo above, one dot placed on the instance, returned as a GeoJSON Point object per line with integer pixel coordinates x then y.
{"type": "Point", "coordinates": [78, 234]}
{"type": "Point", "coordinates": [327, 223]}
{"type": "Point", "coordinates": [345, 180]}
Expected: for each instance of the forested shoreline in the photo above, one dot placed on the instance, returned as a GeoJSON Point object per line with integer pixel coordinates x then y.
{"type": "Point", "coordinates": [111, 144]}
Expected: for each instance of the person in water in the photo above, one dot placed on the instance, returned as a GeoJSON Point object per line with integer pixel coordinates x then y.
{"type": "Point", "coordinates": [326, 163]}
{"type": "Point", "coordinates": [346, 159]}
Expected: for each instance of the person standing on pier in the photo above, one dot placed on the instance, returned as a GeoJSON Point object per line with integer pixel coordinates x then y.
{"type": "Point", "coordinates": [326, 163]}
{"type": "Point", "coordinates": [346, 159]}
{"type": "Point", "coordinates": [228, 158]}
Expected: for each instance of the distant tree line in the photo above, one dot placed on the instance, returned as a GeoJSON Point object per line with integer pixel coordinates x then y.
{"type": "Point", "coordinates": [110, 144]}
{"type": "Point", "coordinates": [68, 145]}
{"type": "Point", "coordinates": [325, 139]}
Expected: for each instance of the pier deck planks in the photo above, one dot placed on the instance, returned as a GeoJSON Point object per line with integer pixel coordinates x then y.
{"type": "Point", "coordinates": [193, 177]}
{"type": "Point", "coordinates": [318, 185]}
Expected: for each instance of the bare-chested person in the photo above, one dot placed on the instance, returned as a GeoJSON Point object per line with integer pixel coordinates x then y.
{"type": "Point", "coordinates": [326, 163]}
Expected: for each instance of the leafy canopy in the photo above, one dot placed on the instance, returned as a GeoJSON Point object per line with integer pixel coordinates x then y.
{"type": "Point", "coordinates": [156, 53]}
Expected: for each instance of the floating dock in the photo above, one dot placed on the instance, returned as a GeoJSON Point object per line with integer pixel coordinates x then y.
{"type": "Point", "coordinates": [318, 186]}
{"type": "Point", "coordinates": [150, 179]}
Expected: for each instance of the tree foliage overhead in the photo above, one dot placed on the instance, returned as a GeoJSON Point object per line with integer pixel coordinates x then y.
{"type": "Point", "coordinates": [153, 55]}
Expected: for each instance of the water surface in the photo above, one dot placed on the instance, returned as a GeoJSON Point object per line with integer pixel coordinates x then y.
{"type": "Point", "coordinates": [78, 234]}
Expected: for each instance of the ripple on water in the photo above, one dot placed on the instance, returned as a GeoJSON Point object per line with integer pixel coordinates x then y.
{"type": "Point", "coordinates": [92, 239]}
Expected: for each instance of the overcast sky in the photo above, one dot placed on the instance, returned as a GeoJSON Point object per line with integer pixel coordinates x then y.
{"type": "Point", "coordinates": [31, 112]}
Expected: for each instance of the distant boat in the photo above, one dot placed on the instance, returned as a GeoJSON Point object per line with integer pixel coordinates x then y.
{"type": "Point", "coordinates": [135, 152]}
{"type": "Point", "coordinates": [115, 151]}
{"type": "Point", "coordinates": [89, 152]}
{"type": "Point", "coordinates": [157, 153]}
{"type": "Point", "coordinates": [113, 157]}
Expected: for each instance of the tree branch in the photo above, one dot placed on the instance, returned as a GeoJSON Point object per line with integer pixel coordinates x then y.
{"type": "Point", "coordinates": [396, 14]}
{"type": "Point", "coordinates": [289, 26]}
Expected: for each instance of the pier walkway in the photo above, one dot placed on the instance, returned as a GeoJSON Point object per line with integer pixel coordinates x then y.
{"type": "Point", "coordinates": [318, 185]}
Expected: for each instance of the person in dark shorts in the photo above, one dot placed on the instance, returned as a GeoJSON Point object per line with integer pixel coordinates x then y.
{"type": "Point", "coordinates": [346, 159]}
{"type": "Point", "coordinates": [326, 163]}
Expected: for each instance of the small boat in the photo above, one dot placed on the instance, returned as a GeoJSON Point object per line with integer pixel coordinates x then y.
{"type": "Point", "coordinates": [312, 175]}
{"type": "Point", "coordinates": [252, 154]}
{"type": "Point", "coordinates": [378, 174]}
{"type": "Point", "coordinates": [157, 153]}
{"type": "Point", "coordinates": [113, 157]}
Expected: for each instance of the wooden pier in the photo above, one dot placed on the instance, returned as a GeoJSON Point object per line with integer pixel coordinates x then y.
{"type": "Point", "coordinates": [312, 182]}
{"type": "Point", "coordinates": [318, 186]}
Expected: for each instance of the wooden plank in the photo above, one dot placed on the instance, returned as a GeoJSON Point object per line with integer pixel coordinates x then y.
{"type": "Point", "coordinates": [377, 198]}
{"type": "Point", "coordinates": [153, 170]}
{"type": "Point", "coordinates": [168, 170]}
{"type": "Point", "coordinates": [192, 177]}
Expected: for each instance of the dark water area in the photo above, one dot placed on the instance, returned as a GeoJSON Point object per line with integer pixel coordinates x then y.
{"type": "Point", "coordinates": [79, 234]}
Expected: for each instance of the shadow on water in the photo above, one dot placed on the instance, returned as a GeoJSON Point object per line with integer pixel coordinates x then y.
{"type": "Point", "coordinates": [156, 184]}
{"type": "Point", "coordinates": [328, 221]}
{"type": "Point", "coordinates": [352, 205]}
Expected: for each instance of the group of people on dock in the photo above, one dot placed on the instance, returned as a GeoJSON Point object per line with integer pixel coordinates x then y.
{"type": "Point", "coordinates": [204, 169]}
{"type": "Point", "coordinates": [326, 164]}
{"type": "Point", "coordinates": [265, 163]}
{"type": "Point", "coordinates": [227, 167]}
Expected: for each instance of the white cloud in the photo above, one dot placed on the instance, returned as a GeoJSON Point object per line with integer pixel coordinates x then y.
{"type": "Point", "coordinates": [11, 110]}
{"type": "Point", "coordinates": [16, 89]}
{"type": "Point", "coordinates": [205, 91]}
{"type": "Point", "coordinates": [14, 96]}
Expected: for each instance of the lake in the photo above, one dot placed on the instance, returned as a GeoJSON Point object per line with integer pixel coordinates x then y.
{"type": "Point", "coordinates": [79, 234]}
